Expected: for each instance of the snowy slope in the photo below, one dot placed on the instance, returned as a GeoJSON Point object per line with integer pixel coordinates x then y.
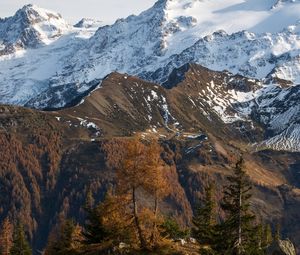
{"type": "Point", "coordinates": [249, 54]}
{"type": "Point", "coordinates": [30, 27]}
{"type": "Point", "coordinates": [150, 45]}
{"type": "Point", "coordinates": [257, 16]}
{"type": "Point", "coordinates": [36, 45]}
{"type": "Point", "coordinates": [275, 108]}
{"type": "Point", "coordinates": [279, 109]}
{"type": "Point", "coordinates": [247, 105]}
{"type": "Point", "coordinates": [140, 44]}
{"type": "Point", "coordinates": [88, 23]}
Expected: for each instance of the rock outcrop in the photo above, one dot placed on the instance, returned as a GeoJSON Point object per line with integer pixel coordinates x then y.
{"type": "Point", "coordinates": [282, 247]}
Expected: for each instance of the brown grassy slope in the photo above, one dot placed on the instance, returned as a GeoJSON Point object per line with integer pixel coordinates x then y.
{"type": "Point", "coordinates": [48, 164]}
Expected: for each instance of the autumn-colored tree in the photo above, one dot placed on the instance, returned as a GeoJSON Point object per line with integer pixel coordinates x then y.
{"type": "Point", "coordinates": [6, 237]}
{"type": "Point", "coordinates": [132, 175]}
{"type": "Point", "coordinates": [139, 169]}
{"type": "Point", "coordinates": [117, 219]}
{"type": "Point", "coordinates": [157, 185]}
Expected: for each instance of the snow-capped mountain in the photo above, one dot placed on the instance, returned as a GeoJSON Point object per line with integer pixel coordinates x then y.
{"type": "Point", "coordinates": [278, 109]}
{"type": "Point", "coordinates": [140, 44]}
{"type": "Point", "coordinates": [152, 44]}
{"type": "Point", "coordinates": [52, 63]}
{"type": "Point", "coordinates": [35, 45]}
{"type": "Point", "coordinates": [30, 27]}
{"type": "Point", "coordinates": [259, 56]}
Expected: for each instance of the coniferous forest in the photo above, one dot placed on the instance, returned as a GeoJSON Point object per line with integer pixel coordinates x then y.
{"type": "Point", "coordinates": [123, 222]}
{"type": "Point", "coordinates": [173, 131]}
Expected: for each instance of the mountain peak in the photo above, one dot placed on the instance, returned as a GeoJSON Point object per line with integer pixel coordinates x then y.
{"type": "Point", "coordinates": [32, 13]}
{"type": "Point", "coordinates": [88, 23]}
{"type": "Point", "coordinates": [30, 27]}
{"type": "Point", "coordinates": [28, 6]}
{"type": "Point", "coordinates": [150, 45]}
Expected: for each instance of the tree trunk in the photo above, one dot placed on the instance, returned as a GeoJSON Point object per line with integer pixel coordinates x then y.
{"type": "Point", "coordinates": [154, 231]}
{"type": "Point", "coordinates": [137, 221]}
{"type": "Point", "coordinates": [239, 244]}
{"type": "Point", "coordinates": [155, 211]}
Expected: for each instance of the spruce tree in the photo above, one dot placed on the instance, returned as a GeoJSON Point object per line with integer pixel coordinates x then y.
{"type": "Point", "coordinates": [94, 231]}
{"type": "Point", "coordinates": [239, 232]}
{"type": "Point", "coordinates": [277, 234]}
{"type": "Point", "coordinates": [204, 220]}
{"type": "Point", "coordinates": [66, 241]}
{"type": "Point", "coordinates": [108, 223]}
{"type": "Point", "coordinates": [266, 237]}
{"type": "Point", "coordinates": [171, 229]}
{"type": "Point", "coordinates": [20, 244]}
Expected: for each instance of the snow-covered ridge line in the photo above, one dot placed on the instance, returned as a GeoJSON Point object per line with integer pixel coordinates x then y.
{"type": "Point", "coordinates": [278, 110]}
{"type": "Point", "coordinates": [88, 23]}
{"type": "Point", "coordinates": [279, 3]}
{"type": "Point", "coordinates": [148, 46]}
{"type": "Point", "coordinates": [252, 55]}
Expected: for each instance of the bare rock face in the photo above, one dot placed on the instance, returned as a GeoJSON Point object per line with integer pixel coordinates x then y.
{"type": "Point", "coordinates": [150, 45]}
{"type": "Point", "coordinates": [282, 247]}
{"type": "Point", "coordinates": [281, 2]}
{"type": "Point", "coordinates": [30, 27]}
{"type": "Point", "coordinates": [88, 23]}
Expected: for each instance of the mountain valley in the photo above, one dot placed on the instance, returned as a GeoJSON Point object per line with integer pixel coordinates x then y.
{"type": "Point", "coordinates": [59, 156]}
{"type": "Point", "coordinates": [210, 80]}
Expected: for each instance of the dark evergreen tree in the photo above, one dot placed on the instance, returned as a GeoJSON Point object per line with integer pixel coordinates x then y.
{"type": "Point", "coordinates": [277, 234]}
{"type": "Point", "coordinates": [171, 229]}
{"type": "Point", "coordinates": [267, 238]}
{"type": "Point", "coordinates": [90, 201]}
{"type": "Point", "coordinates": [239, 231]}
{"type": "Point", "coordinates": [20, 244]}
{"type": "Point", "coordinates": [204, 220]}
{"type": "Point", "coordinates": [66, 241]}
{"type": "Point", "coordinates": [94, 230]}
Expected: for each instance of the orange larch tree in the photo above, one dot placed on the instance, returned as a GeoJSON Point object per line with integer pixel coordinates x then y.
{"type": "Point", "coordinates": [139, 170]}
{"type": "Point", "coordinates": [6, 237]}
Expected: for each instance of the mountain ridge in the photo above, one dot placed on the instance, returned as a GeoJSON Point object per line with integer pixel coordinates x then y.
{"type": "Point", "coordinates": [181, 73]}
{"type": "Point", "coordinates": [57, 156]}
{"type": "Point", "coordinates": [144, 44]}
